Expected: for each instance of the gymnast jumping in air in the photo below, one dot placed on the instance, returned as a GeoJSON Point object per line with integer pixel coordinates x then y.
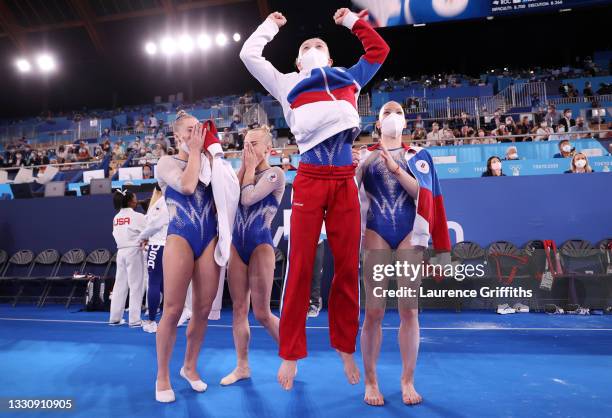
{"type": "Point", "coordinates": [188, 254]}
{"type": "Point", "coordinates": [404, 205]}
{"type": "Point", "coordinates": [252, 260]}
{"type": "Point", "coordinates": [319, 104]}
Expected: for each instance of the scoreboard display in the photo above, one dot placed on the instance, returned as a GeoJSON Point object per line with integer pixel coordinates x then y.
{"type": "Point", "coordinates": [409, 12]}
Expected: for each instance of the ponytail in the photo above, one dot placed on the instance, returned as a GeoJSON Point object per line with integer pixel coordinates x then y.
{"type": "Point", "coordinates": [122, 199]}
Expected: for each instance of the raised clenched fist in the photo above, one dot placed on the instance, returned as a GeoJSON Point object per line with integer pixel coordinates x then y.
{"type": "Point", "coordinates": [278, 18]}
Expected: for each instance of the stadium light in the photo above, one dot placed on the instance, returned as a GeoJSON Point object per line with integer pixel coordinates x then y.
{"type": "Point", "coordinates": [236, 37]}
{"type": "Point", "coordinates": [168, 45]}
{"type": "Point", "coordinates": [45, 63]}
{"type": "Point", "coordinates": [221, 39]}
{"type": "Point", "coordinates": [204, 41]}
{"type": "Point", "coordinates": [186, 44]}
{"type": "Point", "coordinates": [23, 65]}
{"type": "Point", "coordinates": [151, 48]}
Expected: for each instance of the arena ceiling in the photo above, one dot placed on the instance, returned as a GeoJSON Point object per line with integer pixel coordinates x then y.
{"type": "Point", "coordinates": [99, 47]}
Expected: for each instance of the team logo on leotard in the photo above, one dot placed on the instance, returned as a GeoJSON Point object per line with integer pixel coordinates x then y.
{"type": "Point", "coordinates": [422, 166]}
{"type": "Point", "coordinates": [272, 177]}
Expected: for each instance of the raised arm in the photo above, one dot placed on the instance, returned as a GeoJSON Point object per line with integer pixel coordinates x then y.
{"type": "Point", "coordinates": [184, 181]}
{"type": "Point", "coordinates": [252, 50]}
{"type": "Point", "coordinates": [376, 49]}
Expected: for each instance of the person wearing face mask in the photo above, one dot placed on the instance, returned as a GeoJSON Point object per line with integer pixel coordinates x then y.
{"type": "Point", "coordinates": [494, 167]}
{"type": "Point", "coordinates": [404, 209]}
{"type": "Point", "coordinates": [567, 120]}
{"type": "Point", "coordinates": [565, 150]}
{"type": "Point", "coordinates": [560, 135]}
{"type": "Point", "coordinates": [543, 132]}
{"type": "Point", "coordinates": [580, 165]}
{"type": "Point", "coordinates": [252, 260]}
{"type": "Point", "coordinates": [580, 131]}
{"type": "Point", "coordinates": [511, 154]}
{"type": "Point", "coordinates": [319, 103]}
{"type": "Point", "coordinates": [552, 116]}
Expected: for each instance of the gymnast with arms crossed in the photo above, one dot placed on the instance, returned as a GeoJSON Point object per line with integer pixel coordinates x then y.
{"type": "Point", "coordinates": [395, 176]}
{"type": "Point", "coordinates": [252, 259]}
{"type": "Point", "coordinates": [188, 254]}
{"type": "Point", "coordinates": [320, 105]}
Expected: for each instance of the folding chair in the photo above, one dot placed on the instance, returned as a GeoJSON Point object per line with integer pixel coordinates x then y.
{"type": "Point", "coordinates": [583, 264]}
{"type": "Point", "coordinates": [96, 265]}
{"type": "Point", "coordinates": [46, 261]}
{"type": "Point", "coordinates": [70, 263]}
{"type": "Point", "coordinates": [16, 266]}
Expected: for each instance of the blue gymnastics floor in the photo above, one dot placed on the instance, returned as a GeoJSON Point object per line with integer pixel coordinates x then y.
{"type": "Point", "coordinates": [474, 364]}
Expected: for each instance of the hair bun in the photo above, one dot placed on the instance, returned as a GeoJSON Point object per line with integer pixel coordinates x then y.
{"type": "Point", "coordinates": [181, 114]}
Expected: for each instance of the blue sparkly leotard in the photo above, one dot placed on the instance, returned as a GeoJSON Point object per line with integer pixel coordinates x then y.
{"type": "Point", "coordinates": [258, 205]}
{"type": "Point", "coordinates": [392, 211]}
{"type": "Point", "coordinates": [192, 217]}
{"type": "Point", "coordinates": [335, 150]}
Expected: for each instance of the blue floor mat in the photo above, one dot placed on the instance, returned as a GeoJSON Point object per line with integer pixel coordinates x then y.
{"type": "Point", "coordinates": [471, 364]}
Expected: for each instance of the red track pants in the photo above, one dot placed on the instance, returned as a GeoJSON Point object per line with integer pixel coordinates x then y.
{"type": "Point", "coordinates": [322, 193]}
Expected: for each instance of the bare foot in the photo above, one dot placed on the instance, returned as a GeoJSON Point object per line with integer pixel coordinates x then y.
{"type": "Point", "coordinates": [350, 367]}
{"type": "Point", "coordinates": [372, 395]}
{"type": "Point", "coordinates": [409, 394]}
{"type": "Point", "coordinates": [286, 374]}
{"type": "Point", "coordinates": [239, 373]}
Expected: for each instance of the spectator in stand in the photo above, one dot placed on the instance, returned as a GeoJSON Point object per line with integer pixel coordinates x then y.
{"type": "Point", "coordinates": [135, 146]}
{"type": "Point", "coordinates": [580, 164]}
{"type": "Point", "coordinates": [118, 153]}
{"type": "Point", "coordinates": [419, 123]}
{"type": "Point", "coordinates": [501, 133]}
{"type": "Point", "coordinates": [139, 125]}
{"type": "Point", "coordinates": [83, 154]}
{"type": "Point", "coordinates": [561, 135]}
{"type": "Point", "coordinates": [543, 132]}
{"type": "Point", "coordinates": [61, 154]}
{"type": "Point", "coordinates": [19, 161]}
{"type": "Point", "coordinates": [106, 146]}
{"type": "Point", "coordinates": [524, 128]}
{"type": "Point", "coordinates": [567, 120]}
{"type": "Point", "coordinates": [153, 123]}
{"type": "Point", "coordinates": [419, 135]}
{"type": "Point", "coordinates": [464, 121]}
{"type": "Point", "coordinates": [512, 153]}
{"type": "Point", "coordinates": [552, 116]}
{"type": "Point", "coordinates": [496, 121]}
{"type": "Point", "coordinates": [158, 151]}
{"type": "Point", "coordinates": [580, 131]}
{"type": "Point", "coordinates": [588, 90]}
{"type": "Point", "coordinates": [227, 139]}
{"type": "Point", "coordinates": [449, 137]}
{"type": "Point", "coordinates": [435, 137]}
{"type": "Point", "coordinates": [571, 90]}
{"type": "Point", "coordinates": [494, 167]}
{"type": "Point", "coordinates": [147, 172]}
{"type": "Point", "coordinates": [565, 150]}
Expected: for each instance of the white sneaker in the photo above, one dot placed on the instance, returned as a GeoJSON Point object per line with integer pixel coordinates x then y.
{"type": "Point", "coordinates": [185, 316]}
{"type": "Point", "coordinates": [116, 323]}
{"type": "Point", "coordinates": [314, 309]}
{"type": "Point", "coordinates": [505, 309]}
{"type": "Point", "coordinates": [164, 396]}
{"type": "Point", "coordinates": [136, 324]}
{"type": "Point", "coordinates": [520, 308]}
{"type": "Point", "coordinates": [150, 327]}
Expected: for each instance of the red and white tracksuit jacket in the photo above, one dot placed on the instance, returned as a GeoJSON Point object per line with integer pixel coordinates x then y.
{"type": "Point", "coordinates": [319, 105]}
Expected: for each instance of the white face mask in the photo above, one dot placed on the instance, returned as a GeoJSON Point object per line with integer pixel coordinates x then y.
{"type": "Point", "coordinates": [513, 156]}
{"type": "Point", "coordinates": [313, 58]}
{"type": "Point", "coordinates": [580, 163]}
{"type": "Point", "coordinates": [392, 125]}
{"type": "Point", "coordinates": [496, 165]}
{"type": "Point", "coordinates": [566, 148]}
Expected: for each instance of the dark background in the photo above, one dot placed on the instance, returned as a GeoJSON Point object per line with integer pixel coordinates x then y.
{"type": "Point", "coordinates": [125, 75]}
